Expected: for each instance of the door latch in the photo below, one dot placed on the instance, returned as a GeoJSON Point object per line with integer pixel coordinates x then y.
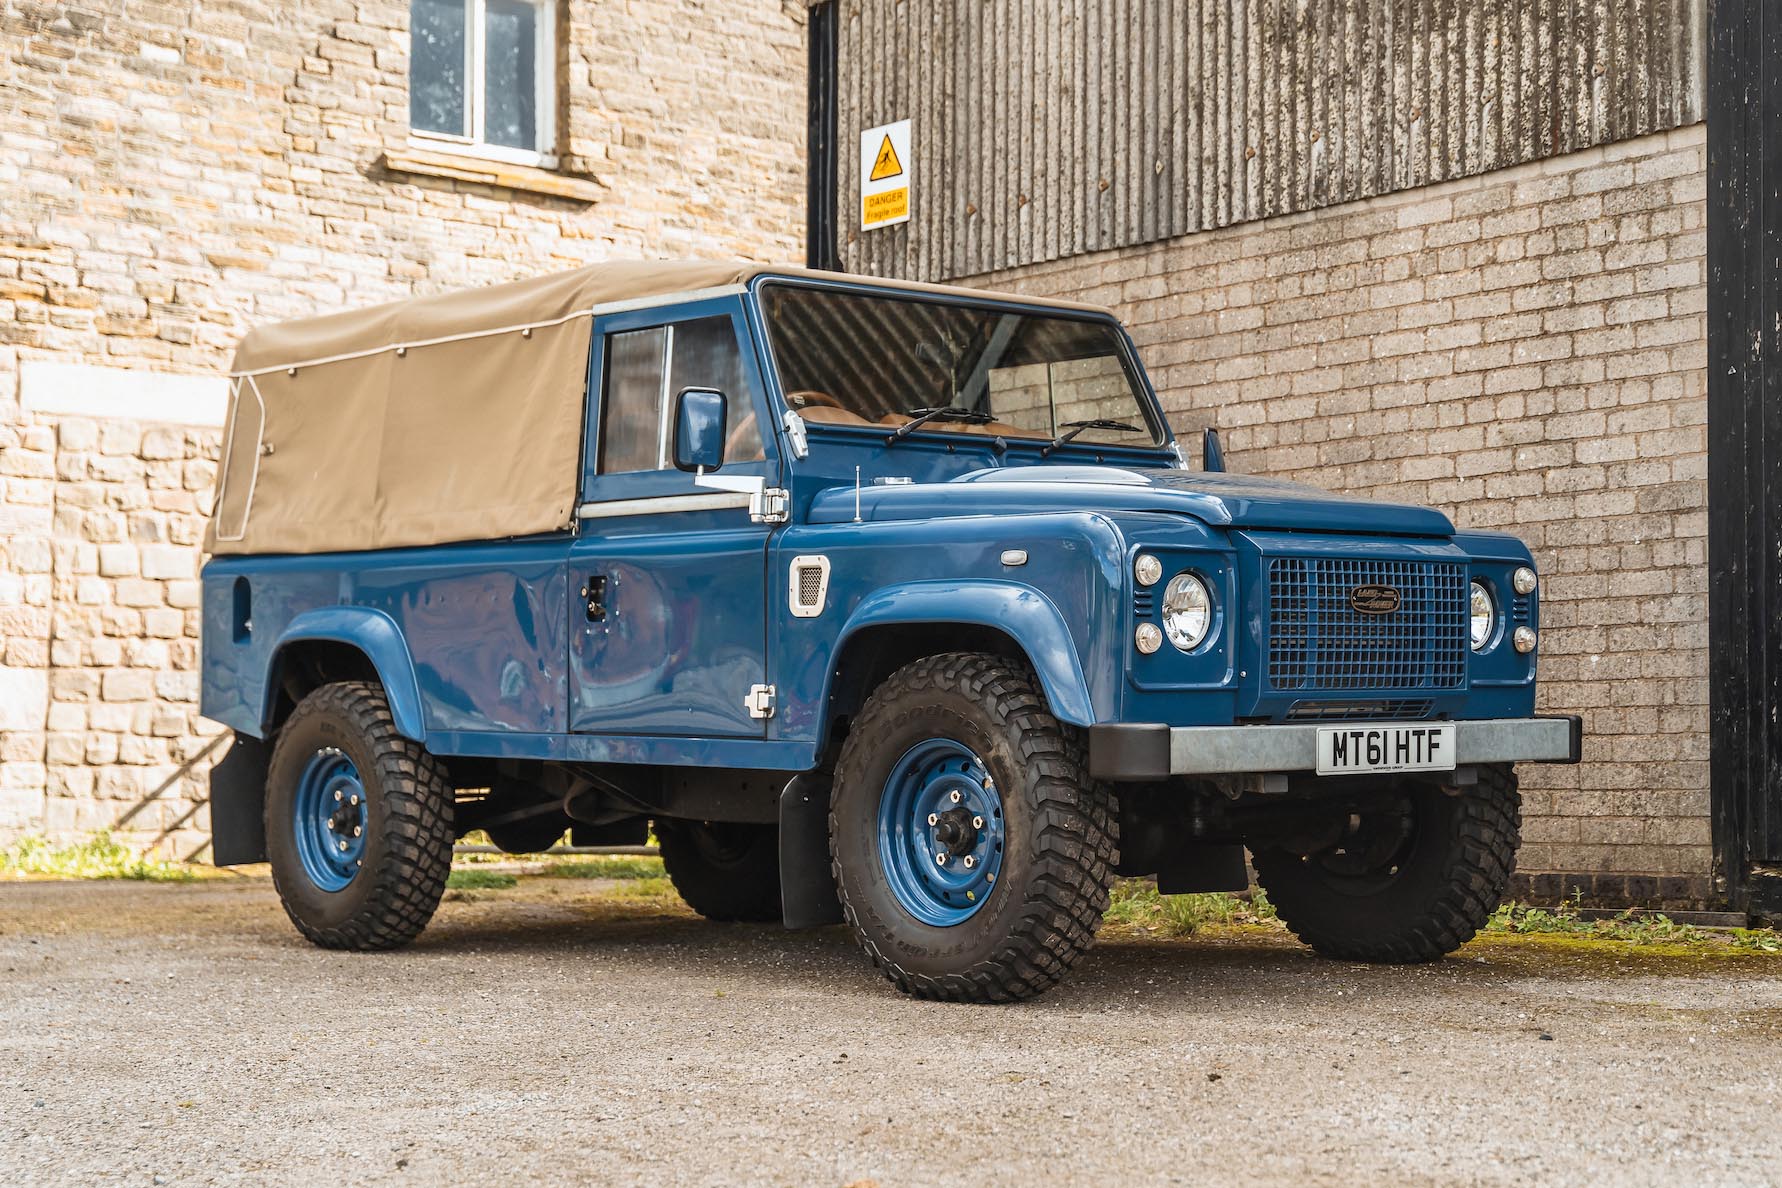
{"type": "Point", "coordinates": [594, 595]}
{"type": "Point", "coordinates": [760, 701]}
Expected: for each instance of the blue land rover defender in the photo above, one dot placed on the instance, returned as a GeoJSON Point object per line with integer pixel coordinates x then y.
{"type": "Point", "coordinates": [877, 602]}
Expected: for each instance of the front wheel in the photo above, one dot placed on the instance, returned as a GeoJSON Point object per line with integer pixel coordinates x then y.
{"type": "Point", "coordinates": [358, 822]}
{"type": "Point", "coordinates": [1408, 877]}
{"type": "Point", "coordinates": [971, 850]}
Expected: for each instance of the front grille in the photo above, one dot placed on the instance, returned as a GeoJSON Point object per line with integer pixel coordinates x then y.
{"type": "Point", "coordinates": [1399, 709]}
{"type": "Point", "coordinates": [1317, 641]}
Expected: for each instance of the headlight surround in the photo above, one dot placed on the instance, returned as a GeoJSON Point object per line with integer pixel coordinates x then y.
{"type": "Point", "coordinates": [1482, 622]}
{"type": "Point", "coordinates": [1187, 611]}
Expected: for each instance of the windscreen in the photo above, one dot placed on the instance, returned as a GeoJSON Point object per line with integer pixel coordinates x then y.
{"type": "Point", "coordinates": [851, 359]}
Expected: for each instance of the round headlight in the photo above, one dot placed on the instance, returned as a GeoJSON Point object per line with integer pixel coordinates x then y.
{"type": "Point", "coordinates": [1484, 616]}
{"type": "Point", "coordinates": [1187, 611]}
{"type": "Point", "coordinates": [1147, 569]}
{"type": "Point", "coordinates": [1147, 638]}
{"type": "Point", "coordinates": [1523, 580]}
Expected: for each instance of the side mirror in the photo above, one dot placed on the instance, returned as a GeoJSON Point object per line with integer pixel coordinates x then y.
{"type": "Point", "coordinates": [699, 416]}
{"type": "Point", "coordinates": [1212, 454]}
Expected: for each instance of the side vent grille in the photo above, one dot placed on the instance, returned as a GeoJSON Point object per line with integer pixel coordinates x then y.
{"type": "Point", "coordinates": [808, 589]}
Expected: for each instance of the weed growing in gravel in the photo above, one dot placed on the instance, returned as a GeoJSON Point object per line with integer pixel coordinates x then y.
{"type": "Point", "coordinates": [101, 856]}
{"type": "Point", "coordinates": [1137, 904]}
{"type": "Point", "coordinates": [479, 880]}
{"type": "Point", "coordinates": [1757, 940]}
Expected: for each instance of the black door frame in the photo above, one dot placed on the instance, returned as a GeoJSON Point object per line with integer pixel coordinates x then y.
{"type": "Point", "coordinates": [1744, 216]}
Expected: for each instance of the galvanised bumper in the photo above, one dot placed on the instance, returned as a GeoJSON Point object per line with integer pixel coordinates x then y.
{"type": "Point", "coordinates": [1149, 752]}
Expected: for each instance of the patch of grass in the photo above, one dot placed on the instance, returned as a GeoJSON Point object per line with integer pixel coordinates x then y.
{"type": "Point", "coordinates": [480, 880]}
{"type": "Point", "coordinates": [646, 888]}
{"type": "Point", "coordinates": [1137, 904]}
{"type": "Point", "coordinates": [100, 856]}
{"type": "Point", "coordinates": [605, 866]}
{"type": "Point", "coordinates": [1566, 920]}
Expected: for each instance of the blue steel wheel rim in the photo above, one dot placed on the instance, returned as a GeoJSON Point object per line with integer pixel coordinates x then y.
{"type": "Point", "coordinates": [941, 832]}
{"type": "Point", "coordinates": [329, 819]}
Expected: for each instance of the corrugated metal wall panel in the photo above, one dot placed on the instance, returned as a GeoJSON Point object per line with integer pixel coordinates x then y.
{"type": "Point", "coordinates": [1048, 128]}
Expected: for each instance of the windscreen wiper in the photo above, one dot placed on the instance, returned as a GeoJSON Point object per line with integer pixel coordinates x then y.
{"type": "Point", "coordinates": [944, 413]}
{"type": "Point", "coordinates": [1075, 427]}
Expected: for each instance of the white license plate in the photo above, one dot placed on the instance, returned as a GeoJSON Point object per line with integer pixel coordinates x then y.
{"type": "Point", "coordinates": [1354, 750]}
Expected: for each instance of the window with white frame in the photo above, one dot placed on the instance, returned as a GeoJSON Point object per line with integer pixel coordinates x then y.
{"type": "Point", "coordinates": [481, 76]}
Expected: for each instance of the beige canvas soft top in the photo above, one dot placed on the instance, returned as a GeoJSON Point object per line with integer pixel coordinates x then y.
{"type": "Point", "coordinates": [437, 419]}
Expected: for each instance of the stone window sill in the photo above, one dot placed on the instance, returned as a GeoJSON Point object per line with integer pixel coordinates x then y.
{"type": "Point", "coordinates": [422, 162]}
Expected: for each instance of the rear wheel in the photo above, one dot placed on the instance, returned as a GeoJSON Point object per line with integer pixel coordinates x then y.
{"type": "Point", "coordinates": [358, 822]}
{"type": "Point", "coordinates": [971, 851]}
{"type": "Point", "coordinates": [1409, 878]}
{"type": "Point", "coordinates": [724, 871]}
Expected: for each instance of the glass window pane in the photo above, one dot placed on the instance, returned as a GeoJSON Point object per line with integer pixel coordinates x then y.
{"type": "Point", "coordinates": [706, 356]}
{"type": "Point", "coordinates": [436, 80]}
{"type": "Point", "coordinates": [510, 79]}
{"type": "Point", "coordinates": [852, 359]}
{"type": "Point", "coordinates": [630, 418]}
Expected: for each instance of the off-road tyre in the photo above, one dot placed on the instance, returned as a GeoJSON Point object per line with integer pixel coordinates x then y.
{"type": "Point", "coordinates": [1060, 838]}
{"type": "Point", "coordinates": [725, 872]}
{"type": "Point", "coordinates": [1450, 879]}
{"type": "Point", "coordinates": [408, 852]}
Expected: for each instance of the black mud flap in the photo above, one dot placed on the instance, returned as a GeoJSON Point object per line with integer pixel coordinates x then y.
{"type": "Point", "coordinates": [807, 886]}
{"type": "Point", "coordinates": [1202, 866]}
{"type": "Point", "coordinates": [238, 802]}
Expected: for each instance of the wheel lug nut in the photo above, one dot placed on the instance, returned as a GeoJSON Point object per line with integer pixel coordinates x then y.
{"type": "Point", "coordinates": [970, 862]}
{"type": "Point", "coordinates": [354, 800]}
{"type": "Point", "coordinates": [954, 796]}
{"type": "Point", "coordinates": [933, 819]}
{"type": "Point", "coordinates": [343, 846]}
{"type": "Point", "coordinates": [940, 859]}
{"type": "Point", "coordinates": [990, 876]}
{"type": "Point", "coordinates": [977, 822]}
{"type": "Point", "coordinates": [337, 793]}
{"type": "Point", "coordinates": [357, 830]}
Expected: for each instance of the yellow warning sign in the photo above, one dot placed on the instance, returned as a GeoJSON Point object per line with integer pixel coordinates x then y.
{"type": "Point", "coordinates": [891, 206]}
{"type": "Point", "coordinates": [885, 175]}
{"type": "Point", "coordinates": [886, 163]}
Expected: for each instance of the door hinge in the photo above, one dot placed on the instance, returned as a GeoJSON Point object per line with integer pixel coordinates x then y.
{"type": "Point", "coordinates": [771, 507]}
{"type": "Point", "coordinates": [760, 701]}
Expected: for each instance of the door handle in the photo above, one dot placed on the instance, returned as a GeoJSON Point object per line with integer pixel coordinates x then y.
{"type": "Point", "coordinates": [594, 598]}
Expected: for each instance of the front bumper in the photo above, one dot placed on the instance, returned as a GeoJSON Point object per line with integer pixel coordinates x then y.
{"type": "Point", "coordinates": [1149, 752]}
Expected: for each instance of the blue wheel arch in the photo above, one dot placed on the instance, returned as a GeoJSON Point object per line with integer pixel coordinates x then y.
{"type": "Point", "coordinates": [1019, 612]}
{"type": "Point", "coordinates": [374, 635]}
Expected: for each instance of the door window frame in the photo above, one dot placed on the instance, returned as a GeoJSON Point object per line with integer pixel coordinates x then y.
{"type": "Point", "coordinates": [668, 482]}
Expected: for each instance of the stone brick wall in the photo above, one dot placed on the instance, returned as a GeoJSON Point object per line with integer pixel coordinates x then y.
{"type": "Point", "coordinates": [174, 172]}
{"type": "Point", "coordinates": [1525, 350]}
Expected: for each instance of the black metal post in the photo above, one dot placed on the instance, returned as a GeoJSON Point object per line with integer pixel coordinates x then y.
{"type": "Point", "coordinates": [821, 228]}
{"type": "Point", "coordinates": [1744, 214]}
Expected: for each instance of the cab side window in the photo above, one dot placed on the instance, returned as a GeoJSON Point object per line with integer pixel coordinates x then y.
{"type": "Point", "coordinates": [647, 369]}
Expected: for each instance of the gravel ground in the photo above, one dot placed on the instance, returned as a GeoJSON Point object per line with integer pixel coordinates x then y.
{"type": "Point", "coordinates": [184, 1034]}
